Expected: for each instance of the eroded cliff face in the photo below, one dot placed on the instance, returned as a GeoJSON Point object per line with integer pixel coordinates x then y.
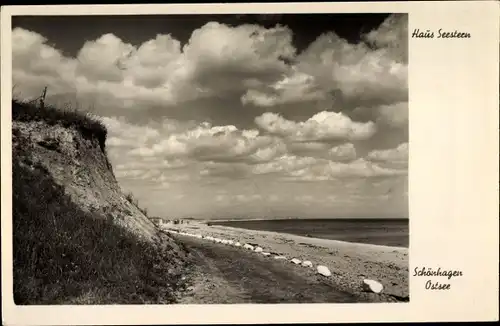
{"type": "Point", "coordinates": [79, 163]}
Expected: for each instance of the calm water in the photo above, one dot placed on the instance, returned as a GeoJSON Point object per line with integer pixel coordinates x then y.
{"type": "Point", "coordinates": [388, 232]}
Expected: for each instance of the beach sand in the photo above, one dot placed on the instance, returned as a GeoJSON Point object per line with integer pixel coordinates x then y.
{"type": "Point", "coordinates": [349, 263]}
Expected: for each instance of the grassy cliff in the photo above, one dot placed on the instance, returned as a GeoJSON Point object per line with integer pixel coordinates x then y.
{"type": "Point", "coordinates": [67, 252]}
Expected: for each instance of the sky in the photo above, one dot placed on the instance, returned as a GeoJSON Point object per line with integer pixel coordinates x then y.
{"type": "Point", "coordinates": [236, 116]}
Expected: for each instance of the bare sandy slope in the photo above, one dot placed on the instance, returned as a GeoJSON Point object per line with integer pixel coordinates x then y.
{"type": "Point", "coordinates": [349, 263]}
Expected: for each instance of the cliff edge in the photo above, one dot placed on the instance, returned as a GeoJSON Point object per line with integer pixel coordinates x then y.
{"type": "Point", "coordinates": [77, 238]}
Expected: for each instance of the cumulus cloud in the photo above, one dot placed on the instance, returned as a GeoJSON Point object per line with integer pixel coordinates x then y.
{"type": "Point", "coordinates": [215, 143]}
{"type": "Point", "coordinates": [128, 135]}
{"type": "Point", "coordinates": [372, 72]}
{"type": "Point", "coordinates": [294, 87]}
{"type": "Point", "coordinates": [36, 64]}
{"type": "Point", "coordinates": [100, 60]}
{"type": "Point", "coordinates": [344, 152]}
{"type": "Point", "coordinates": [220, 57]}
{"type": "Point", "coordinates": [317, 169]}
{"type": "Point", "coordinates": [340, 152]}
{"type": "Point", "coordinates": [259, 65]}
{"type": "Point", "coordinates": [216, 60]}
{"type": "Point", "coordinates": [322, 126]}
{"type": "Point", "coordinates": [394, 115]}
{"type": "Point", "coordinates": [226, 151]}
{"type": "Point", "coordinates": [394, 155]}
{"type": "Point", "coordinates": [393, 36]}
{"type": "Point", "coordinates": [359, 71]}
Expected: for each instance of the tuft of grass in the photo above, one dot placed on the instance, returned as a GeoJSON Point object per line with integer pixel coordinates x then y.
{"type": "Point", "coordinates": [134, 201]}
{"type": "Point", "coordinates": [88, 126]}
{"type": "Point", "coordinates": [131, 199]}
{"type": "Point", "coordinates": [64, 255]}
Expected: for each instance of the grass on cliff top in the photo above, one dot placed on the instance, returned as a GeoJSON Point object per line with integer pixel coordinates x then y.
{"type": "Point", "coordinates": [84, 122]}
{"type": "Point", "coordinates": [64, 255]}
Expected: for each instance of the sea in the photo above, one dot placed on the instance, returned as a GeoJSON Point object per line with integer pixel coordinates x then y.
{"type": "Point", "coordinates": [386, 232]}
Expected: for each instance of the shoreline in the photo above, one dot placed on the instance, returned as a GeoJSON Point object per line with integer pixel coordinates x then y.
{"type": "Point", "coordinates": [318, 240]}
{"type": "Point", "coordinates": [301, 218]}
{"type": "Point", "coordinates": [402, 240]}
{"type": "Point", "coordinates": [349, 262]}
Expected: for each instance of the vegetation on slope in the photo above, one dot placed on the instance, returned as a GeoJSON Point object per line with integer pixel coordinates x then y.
{"type": "Point", "coordinates": [87, 125]}
{"type": "Point", "coordinates": [63, 255]}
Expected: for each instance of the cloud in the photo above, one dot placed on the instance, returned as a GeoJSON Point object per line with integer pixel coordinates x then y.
{"type": "Point", "coordinates": [393, 155]}
{"type": "Point", "coordinates": [127, 135]}
{"type": "Point", "coordinates": [101, 60]}
{"type": "Point", "coordinates": [394, 115]}
{"type": "Point", "coordinates": [249, 61]}
{"type": "Point", "coordinates": [328, 170]}
{"type": "Point", "coordinates": [322, 126]}
{"type": "Point", "coordinates": [227, 152]}
{"type": "Point", "coordinates": [344, 152]}
{"type": "Point", "coordinates": [222, 58]}
{"type": "Point", "coordinates": [304, 198]}
{"type": "Point", "coordinates": [319, 169]}
{"type": "Point", "coordinates": [215, 143]}
{"type": "Point", "coordinates": [372, 72]}
{"type": "Point", "coordinates": [393, 36]}
{"type": "Point", "coordinates": [218, 59]}
{"type": "Point", "coordinates": [294, 87]}
{"type": "Point", "coordinates": [36, 64]}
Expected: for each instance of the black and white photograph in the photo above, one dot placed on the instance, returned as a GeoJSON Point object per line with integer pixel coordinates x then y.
{"type": "Point", "coordinates": [249, 163]}
{"type": "Point", "coordinates": [210, 159]}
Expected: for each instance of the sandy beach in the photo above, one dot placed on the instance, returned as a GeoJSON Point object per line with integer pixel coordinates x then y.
{"type": "Point", "coordinates": [349, 263]}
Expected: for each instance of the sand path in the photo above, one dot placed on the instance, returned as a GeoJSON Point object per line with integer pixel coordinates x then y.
{"type": "Point", "coordinates": [349, 263]}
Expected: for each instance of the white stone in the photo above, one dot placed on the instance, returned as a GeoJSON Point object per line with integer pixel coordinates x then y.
{"type": "Point", "coordinates": [279, 257]}
{"type": "Point", "coordinates": [258, 249]}
{"type": "Point", "coordinates": [323, 270]}
{"type": "Point", "coordinates": [247, 246]}
{"type": "Point", "coordinates": [266, 253]}
{"type": "Point", "coordinates": [237, 244]}
{"type": "Point", "coordinates": [296, 261]}
{"type": "Point", "coordinates": [307, 263]}
{"type": "Point", "coordinates": [372, 286]}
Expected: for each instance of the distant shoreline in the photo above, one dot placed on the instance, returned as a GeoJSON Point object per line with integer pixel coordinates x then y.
{"type": "Point", "coordinates": [389, 232]}
{"type": "Point", "coordinates": [301, 218]}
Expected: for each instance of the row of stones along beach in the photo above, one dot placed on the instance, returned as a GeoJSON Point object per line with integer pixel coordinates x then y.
{"type": "Point", "coordinates": [367, 284]}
